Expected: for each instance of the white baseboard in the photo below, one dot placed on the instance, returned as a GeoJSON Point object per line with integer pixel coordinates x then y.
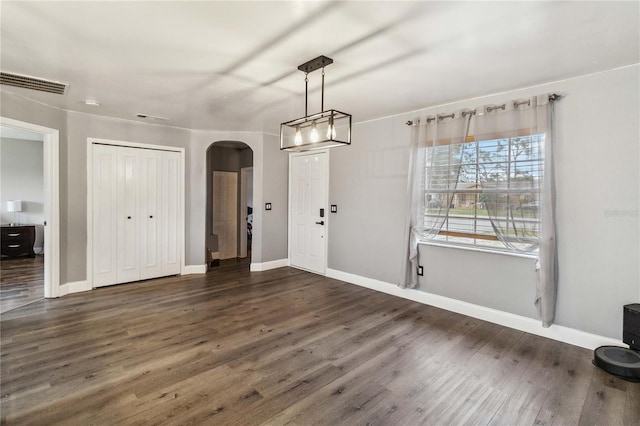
{"type": "Point", "coordinates": [265, 266]}
{"type": "Point", "coordinates": [74, 287]}
{"type": "Point", "coordinates": [518, 322]}
{"type": "Point", "coordinates": [194, 269]}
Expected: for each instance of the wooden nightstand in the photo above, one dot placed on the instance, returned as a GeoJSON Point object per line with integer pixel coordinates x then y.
{"type": "Point", "coordinates": [17, 240]}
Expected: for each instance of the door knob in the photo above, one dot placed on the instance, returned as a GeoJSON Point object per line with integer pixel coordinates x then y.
{"type": "Point", "coordinates": [320, 223]}
{"type": "Point", "coordinates": [150, 217]}
{"type": "Point", "coordinates": [128, 217]}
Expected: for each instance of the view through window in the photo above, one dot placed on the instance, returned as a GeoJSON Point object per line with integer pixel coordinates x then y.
{"type": "Point", "coordinates": [486, 192]}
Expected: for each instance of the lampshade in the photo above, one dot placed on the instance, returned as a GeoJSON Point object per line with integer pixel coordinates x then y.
{"type": "Point", "coordinates": [325, 129]}
{"type": "Point", "coordinates": [14, 206]}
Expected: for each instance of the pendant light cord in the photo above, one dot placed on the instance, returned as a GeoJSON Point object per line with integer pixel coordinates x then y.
{"type": "Point", "coordinates": [306, 93]}
{"type": "Point", "coordinates": [322, 98]}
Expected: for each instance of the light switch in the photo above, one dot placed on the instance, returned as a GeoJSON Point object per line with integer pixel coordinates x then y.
{"type": "Point", "coordinates": [334, 208]}
{"type": "Point", "coordinates": [267, 206]}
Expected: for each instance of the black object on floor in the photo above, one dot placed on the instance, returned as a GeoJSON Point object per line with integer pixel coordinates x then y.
{"type": "Point", "coordinates": [631, 325]}
{"type": "Point", "coordinates": [621, 362]}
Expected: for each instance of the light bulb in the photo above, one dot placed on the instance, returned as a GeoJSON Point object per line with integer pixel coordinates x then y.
{"type": "Point", "coordinates": [298, 138]}
{"type": "Point", "coordinates": [331, 130]}
{"type": "Point", "coordinates": [314, 133]}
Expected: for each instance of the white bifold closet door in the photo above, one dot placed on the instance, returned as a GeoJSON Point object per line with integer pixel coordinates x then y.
{"type": "Point", "coordinates": [136, 198]}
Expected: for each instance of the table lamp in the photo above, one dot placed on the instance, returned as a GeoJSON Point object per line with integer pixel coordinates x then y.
{"type": "Point", "coordinates": [14, 206]}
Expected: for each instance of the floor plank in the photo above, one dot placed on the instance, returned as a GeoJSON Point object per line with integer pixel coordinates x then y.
{"type": "Point", "coordinates": [21, 281]}
{"type": "Point", "coordinates": [286, 347]}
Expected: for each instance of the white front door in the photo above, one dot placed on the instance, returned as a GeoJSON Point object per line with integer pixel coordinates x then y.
{"type": "Point", "coordinates": [308, 183]}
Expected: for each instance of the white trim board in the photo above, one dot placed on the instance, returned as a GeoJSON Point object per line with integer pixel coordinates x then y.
{"type": "Point", "coordinates": [518, 322]}
{"type": "Point", "coordinates": [74, 287]}
{"type": "Point", "coordinates": [194, 269]}
{"type": "Point", "coordinates": [265, 266]}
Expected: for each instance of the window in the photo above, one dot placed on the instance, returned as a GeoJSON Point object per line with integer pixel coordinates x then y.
{"type": "Point", "coordinates": [485, 191]}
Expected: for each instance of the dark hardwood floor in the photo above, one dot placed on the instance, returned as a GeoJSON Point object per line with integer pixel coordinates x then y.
{"type": "Point", "coordinates": [234, 347]}
{"type": "Point", "coordinates": [21, 281]}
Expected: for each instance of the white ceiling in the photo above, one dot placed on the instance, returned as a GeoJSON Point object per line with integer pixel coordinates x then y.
{"type": "Point", "coordinates": [233, 65]}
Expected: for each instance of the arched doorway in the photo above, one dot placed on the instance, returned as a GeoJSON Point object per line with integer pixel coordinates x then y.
{"type": "Point", "coordinates": [229, 213]}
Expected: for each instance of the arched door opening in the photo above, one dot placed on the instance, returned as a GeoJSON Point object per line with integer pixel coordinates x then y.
{"type": "Point", "coordinates": [229, 213]}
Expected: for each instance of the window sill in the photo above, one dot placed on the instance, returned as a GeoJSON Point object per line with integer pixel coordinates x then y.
{"type": "Point", "coordinates": [489, 250]}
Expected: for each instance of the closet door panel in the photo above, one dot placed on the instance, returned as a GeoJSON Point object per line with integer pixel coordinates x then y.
{"type": "Point", "coordinates": [104, 200]}
{"type": "Point", "coordinates": [150, 213]}
{"type": "Point", "coordinates": [171, 238]}
{"type": "Point", "coordinates": [128, 228]}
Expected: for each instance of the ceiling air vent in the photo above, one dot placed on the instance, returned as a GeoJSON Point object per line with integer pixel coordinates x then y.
{"type": "Point", "coordinates": [32, 83]}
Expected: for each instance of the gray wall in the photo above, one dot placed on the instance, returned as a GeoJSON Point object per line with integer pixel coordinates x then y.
{"type": "Point", "coordinates": [499, 281]}
{"type": "Point", "coordinates": [19, 108]}
{"type": "Point", "coordinates": [75, 128]}
{"type": "Point", "coordinates": [598, 197]}
{"type": "Point", "coordinates": [598, 185]}
{"type": "Point", "coordinates": [270, 174]}
{"type": "Point", "coordinates": [80, 127]}
{"type": "Point", "coordinates": [368, 183]}
{"type": "Point", "coordinates": [22, 178]}
{"type": "Point", "coordinates": [275, 191]}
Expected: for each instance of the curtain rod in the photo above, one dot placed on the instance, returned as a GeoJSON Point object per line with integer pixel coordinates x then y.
{"type": "Point", "coordinates": [552, 97]}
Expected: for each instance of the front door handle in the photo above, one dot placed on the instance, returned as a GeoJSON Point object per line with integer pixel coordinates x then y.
{"type": "Point", "coordinates": [320, 223]}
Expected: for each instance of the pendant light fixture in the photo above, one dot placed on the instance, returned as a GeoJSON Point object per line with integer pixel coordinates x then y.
{"type": "Point", "coordinates": [325, 129]}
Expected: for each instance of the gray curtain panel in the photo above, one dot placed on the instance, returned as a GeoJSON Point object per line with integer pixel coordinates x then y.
{"type": "Point", "coordinates": [433, 177]}
{"type": "Point", "coordinates": [526, 127]}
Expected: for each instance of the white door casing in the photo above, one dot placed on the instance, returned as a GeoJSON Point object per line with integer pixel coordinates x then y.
{"type": "Point", "coordinates": [225, 212]}
{"type": "Point", "coordinates": [51, 202]}
{"type": "Point", "coordinates": [246, 174]}
{"type": "Point", "coordinates": [308, 194]}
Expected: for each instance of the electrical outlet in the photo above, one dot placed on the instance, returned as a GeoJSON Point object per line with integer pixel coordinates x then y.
{"type": "Point", "coordinates": [420, 271]}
